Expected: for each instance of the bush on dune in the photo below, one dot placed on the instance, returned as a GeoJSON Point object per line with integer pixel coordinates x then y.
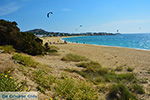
{"type": "Point", "coordinates": [25, 42]}
{"type": "Point", "coordinates": [29, 44]}
{"type": "Point", "coordinates": [50, 49]}
{"type": "Point", "coordinates": [96, 73]}
{"type": "Point", "coordinates": [24, 60]}
{"type": "Point", "coordinates": [71, 89]}
{"type": "Point", "coordinates": [136, 88]}
{"type": "Point", "coordinates": [130, 69]}
{"type": "Point", "coordinates": [43, 79]}
{"type": "Point", "coordinates": [120, 92]}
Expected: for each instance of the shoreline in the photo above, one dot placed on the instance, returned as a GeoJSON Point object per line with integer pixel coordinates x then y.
{"type": "Point", "coordinates": [61, 38]}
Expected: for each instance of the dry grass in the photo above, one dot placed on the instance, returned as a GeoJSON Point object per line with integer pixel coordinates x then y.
{"type": "Point", "coordinates": [6, 64]}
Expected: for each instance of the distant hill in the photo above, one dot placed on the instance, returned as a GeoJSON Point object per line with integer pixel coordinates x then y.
{"type": "Point", "coordinates": [41, 32]}
{"type": "Point", "coordinates": [38, 31]}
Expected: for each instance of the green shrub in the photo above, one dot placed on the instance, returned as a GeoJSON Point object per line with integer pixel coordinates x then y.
{"type": "Point", "coordinates": [120, 92]}
{"type": "Point", "coordinates": [7, 83]}
{"type": "Point", "coordinates": [119, 68]}
{"type": "Point", "coordinates": [50, 49]}
{"type": "Point", "coordinates": [94, 72]}
{"type": "Point", "coordinates": [138, 89]}
{"type": "Point", "coordinates": [53, 49]}
{"type": "Point", "coordinates": [93, 66]}
{"type": "Point", "coordinates": [126, 76]}
{"type": "Point", "coordinates": [71, 89]}
{"type": "Point", "coordinates": [73, 57]}
{"type": "Point", "coordinates": [129, 69]}
{"type": "Point", "coordinates": [22, 41]}
{"type": "Point", "coordinates": [43, 79]}
{"type": "Point", "coordinates": [104, 87]}
{"type": "Point", "coordinates": [24, 60]}
{"type": "Point", "coordinates": [93, 76]}
{"type": "Point", "coordinates": [41, 89]}
{"type": "Point", "coordinates": [7, 49]}
{"type": "Point", "coordinates": [30, 45]}
{"type": "Point", "coordinates": [104, 75]}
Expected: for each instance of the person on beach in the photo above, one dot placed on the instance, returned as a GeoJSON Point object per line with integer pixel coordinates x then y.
{"type": "Point", "coordinates": [65, 42]}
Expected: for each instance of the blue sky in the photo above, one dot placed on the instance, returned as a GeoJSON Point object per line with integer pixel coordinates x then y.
{"type": "Point", "coordinates": [129, 16]}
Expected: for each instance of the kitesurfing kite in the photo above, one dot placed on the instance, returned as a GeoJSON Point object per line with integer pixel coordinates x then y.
{"type": "Point", "coordinates": [50, 13]}
{"type": "Point", "coordinates": [81, 25]}
{"type": "Point", "coordinates": [117, 31]}
{"type": "Point", "coordinates": [140, 28]}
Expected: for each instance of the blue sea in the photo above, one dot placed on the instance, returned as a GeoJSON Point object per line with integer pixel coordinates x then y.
{"type": "Point", "coordinates": [136, 41]}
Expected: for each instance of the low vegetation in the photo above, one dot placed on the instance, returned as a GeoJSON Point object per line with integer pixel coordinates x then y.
{"type": "Point", "coordinates": [43, 79]}
{"type": "Point", "coordinates": [7, 49]}
{"type": "Point", "coordinates": [136, 88]}
{"type": "Point", "coordinates": [120, 92]}
{"type": "Point", "coordinates": [93, 65]}
{"type": "Point", "coordinates": [50, 49]}
{"type": "Point", "coordinates": [99, 75]}
{"type": "Point", "coordinates": [7, 83]}
{"type": "Point", "coordinates": [71, 89]}
{"type": "Point", "coordinates": [24, 60]}
{"type": "Point", "coordinates": [129, 69]}
{"type": "Point", "coordinates": [119, 68]}
{"type": "Point", "coordinates": [74, 58]}
{"type": "Point", "coordinates": [95, 73]}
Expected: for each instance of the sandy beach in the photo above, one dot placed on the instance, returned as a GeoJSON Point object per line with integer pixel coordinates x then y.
{"type": "Point", "coordinates": [107, 56]}
{"type": "Point", "coordinates": [110, 57]}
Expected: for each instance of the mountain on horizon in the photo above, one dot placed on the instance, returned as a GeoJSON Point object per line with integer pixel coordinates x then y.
{"type": "Point", "coordinates": [38, 31]}
{"type": "Point", "coordinates": [41, 32]}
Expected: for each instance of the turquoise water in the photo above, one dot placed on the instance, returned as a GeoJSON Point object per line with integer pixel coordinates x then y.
{"type": "Point", "coordinates": [137, 41]}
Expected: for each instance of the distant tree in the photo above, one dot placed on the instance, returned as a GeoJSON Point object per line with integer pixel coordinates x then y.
{"type": "Point", "coordinates": [14, 23]}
